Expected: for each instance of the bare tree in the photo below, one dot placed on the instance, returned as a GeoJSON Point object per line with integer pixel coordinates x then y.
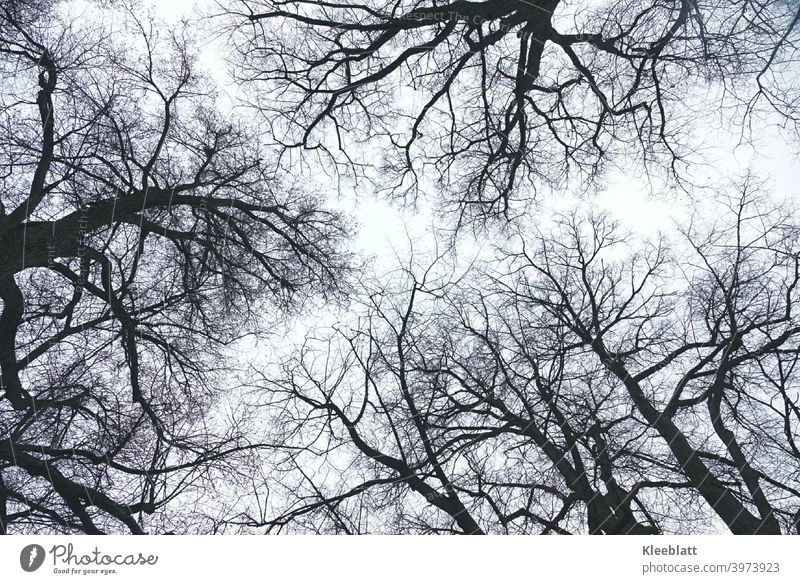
{"type": "Point", "coordinates": [139, 231]}
{"type": "Point", "coordinates": [585, 384]}
{"type": "Point", "coordinates": [490, 98]}
{"type": "Point", "coordinates": [583, 381]}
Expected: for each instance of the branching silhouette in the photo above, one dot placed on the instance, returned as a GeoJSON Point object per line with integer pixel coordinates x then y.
{"type": "Point", "coordinates": [572, 379]}
{"type": "Point", "coordinates": [584, 383]}
{"type": "Point", "coordinates": [491, 99]}
{"type": "Point", "coordinates": [139, 230]}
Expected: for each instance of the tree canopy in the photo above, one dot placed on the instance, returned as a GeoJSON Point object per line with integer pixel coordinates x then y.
{"type": "Point", "coordinates": [490, 99]}
{"type": "Point", "coordinates": [139, 230]}
{"type": "Point", "coordinates": [582, 382]}
{"type": "Point", "coordinates": [191, 340]}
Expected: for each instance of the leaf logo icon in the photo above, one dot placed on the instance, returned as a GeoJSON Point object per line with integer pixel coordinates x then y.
{"type": "Point", "coordinates": [31, 557]}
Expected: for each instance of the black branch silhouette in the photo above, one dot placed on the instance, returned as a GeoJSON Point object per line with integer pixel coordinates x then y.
{"type": "Point", "coordinates": [581, 383]}
{"type": "Point", "coordinates": [139, 231]}
{"type": "Point", "coordinates": [158, 234]}
{"type": "Point", "coordinates": [491, 100]}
